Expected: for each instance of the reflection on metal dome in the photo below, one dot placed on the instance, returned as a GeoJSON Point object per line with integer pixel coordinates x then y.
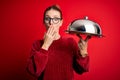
{"type": "Point", "coordinates": [85, 26]}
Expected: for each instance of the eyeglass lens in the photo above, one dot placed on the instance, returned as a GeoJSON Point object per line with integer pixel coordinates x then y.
{"type": "Point", "coordinates": [54, 20]}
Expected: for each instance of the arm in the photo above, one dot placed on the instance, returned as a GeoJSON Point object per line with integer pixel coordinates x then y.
{"type": "Point", "coordinates": [81, 64]}
{"type": "Point", "coordinates": [37, 60]}
{"type": "Point", "coordinates": [39, 54]}
{"type": "Point", "coordinates": [81, 58]}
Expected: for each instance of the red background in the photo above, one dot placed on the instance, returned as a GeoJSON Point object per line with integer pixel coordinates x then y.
{"type": "Point", "coordinates": [21, 24]}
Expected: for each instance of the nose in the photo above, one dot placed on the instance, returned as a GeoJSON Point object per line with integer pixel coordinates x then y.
{"type": "Point", "coordinates": [51, 22]}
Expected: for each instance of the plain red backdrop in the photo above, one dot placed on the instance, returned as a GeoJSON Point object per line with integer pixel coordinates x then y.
{"type": "Point", "coordinates": [21, 24]}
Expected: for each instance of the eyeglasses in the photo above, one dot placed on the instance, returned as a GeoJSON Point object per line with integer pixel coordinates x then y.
{"type": "Point", "coordinates": [54, 20]}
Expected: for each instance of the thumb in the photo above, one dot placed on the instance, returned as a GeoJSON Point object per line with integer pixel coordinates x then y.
{"type": "Point", "coordinates": [87, 38]}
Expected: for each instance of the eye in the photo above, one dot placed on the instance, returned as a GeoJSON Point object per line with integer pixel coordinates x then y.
{"type": "Point", "coordinates": [56, 19]}
{"type": "Point", "coordinates": [47, 18]}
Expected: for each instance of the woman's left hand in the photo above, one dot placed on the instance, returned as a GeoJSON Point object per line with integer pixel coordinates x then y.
{"type": "Point", "coordinates": [83, 45]}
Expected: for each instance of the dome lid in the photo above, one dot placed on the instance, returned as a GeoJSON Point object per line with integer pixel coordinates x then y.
{"type": "Point", "coordinates": [85, 26]}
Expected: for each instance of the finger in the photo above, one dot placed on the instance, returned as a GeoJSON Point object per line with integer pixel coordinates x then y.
{"type": "Point", "coordinates": [53, 31]}
{"type": "Point", "coordinates": [54, 35]}
{"type": "Point", "coordinates": [44, 35]}
{"type": "Point", "coordinates": [49, 29]}
{"type": "Point", "coordinates": [87, 38]}
{"type": "Point", "coordinates": [79, 37]}
{"type": "Point", "coordinates": [79, 45]}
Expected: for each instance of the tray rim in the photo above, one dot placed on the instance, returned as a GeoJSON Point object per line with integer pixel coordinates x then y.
{"type": "Point", "coordinates": [82, 32]}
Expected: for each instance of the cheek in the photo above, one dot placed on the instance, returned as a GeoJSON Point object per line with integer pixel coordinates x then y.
{"type": "Point", "coordinates": [57, 26]}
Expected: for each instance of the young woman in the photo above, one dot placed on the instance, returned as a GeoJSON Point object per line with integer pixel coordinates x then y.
{"type": "Point", "coordinates": [56, 57]}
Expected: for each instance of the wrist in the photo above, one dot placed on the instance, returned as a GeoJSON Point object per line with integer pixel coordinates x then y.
{"type": "Point", "coordinates": [83, 53]}
{"type": "Point", "coordinates": [45, 47]}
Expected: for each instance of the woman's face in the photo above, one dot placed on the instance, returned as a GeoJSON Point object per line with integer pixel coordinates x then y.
{"type": "Point", "coordinates": [53, 19]}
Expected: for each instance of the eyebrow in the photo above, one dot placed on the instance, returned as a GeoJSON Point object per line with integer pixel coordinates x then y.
{"type": "Point", "coordinates": [54, 16]}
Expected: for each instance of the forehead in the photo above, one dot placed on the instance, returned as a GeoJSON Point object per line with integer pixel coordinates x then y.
{"type": "Point", "coordinates": [52, 13]}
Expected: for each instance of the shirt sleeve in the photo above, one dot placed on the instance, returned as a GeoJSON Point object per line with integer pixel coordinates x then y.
{"type": "Point", "coordinates": [37, 60]}
{"type": "Point", "coordinates": [80, 64]}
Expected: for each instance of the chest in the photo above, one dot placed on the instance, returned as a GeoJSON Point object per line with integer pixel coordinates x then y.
{"type": "Point", "coordinates": [60, 52]}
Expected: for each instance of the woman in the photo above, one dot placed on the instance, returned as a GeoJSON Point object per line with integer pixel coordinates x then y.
{"type": "Point", "coordinates": [56, 57]}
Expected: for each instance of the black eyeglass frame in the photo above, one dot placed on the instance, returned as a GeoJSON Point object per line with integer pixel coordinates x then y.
{"type": "Point", "coordinates": [48, 20]}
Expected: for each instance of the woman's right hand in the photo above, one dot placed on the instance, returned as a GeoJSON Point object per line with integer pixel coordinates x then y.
{"type": "Point", "coordinates": [49, 37]}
